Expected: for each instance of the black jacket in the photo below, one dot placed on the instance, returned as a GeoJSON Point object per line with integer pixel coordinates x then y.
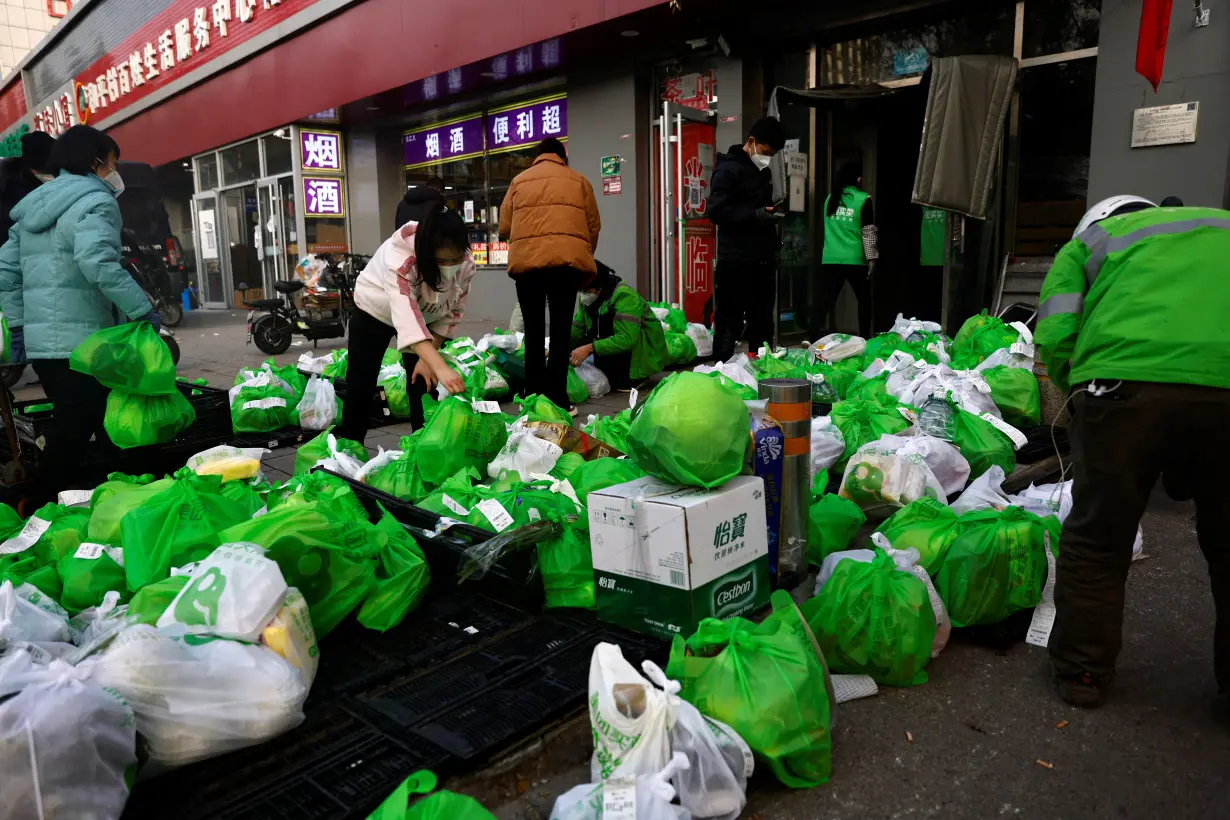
{"type": "Point", "coordinates": [417, 203]}
{"type": "Point", "coordinates": [16, 181]}
{"type": "Point", "coordinates": [736, 191]}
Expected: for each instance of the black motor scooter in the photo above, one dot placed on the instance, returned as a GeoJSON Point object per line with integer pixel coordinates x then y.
{"type": "Point", "coordinates": [272, 332]}
{"type": "Point", "coordinates": [146, 261]}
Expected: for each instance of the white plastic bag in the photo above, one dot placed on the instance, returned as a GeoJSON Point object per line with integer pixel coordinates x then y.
{"type": "Point", "coordinates": [827, 444]}
{"type": "Point", "coordinates": [700, 336]}
{"type": "Point", "coordinates": [26, 614]}
{"type": "Point", "coordinates": [951, 468]}
{"type": "Point", "coordinates": [985, 493]}
{"type": "Point", "coordinates": [719, 761]}
{"type": "Point", "coordinates": [228, 462]}
{"type": "Point", "coordinates": [595, 380]}
{"type": "Point", "coordinates": [905, 328]}
{"type": "Point", "coordinates": [837, 347]}
{"type": "Point", "coordinates": [738, 369]}
{"type": "Point", "coordinates": [339, 461]}
{"type": "Point", "coordinates": [231, 594]}
{"type": "Point", "coordinates": [314, 364]}
{"type": "Point", "coordinates": [1022, 358]}
{"type": "Point", "coordinates": [198, 696]}
{"type": "Point", "coordinates": [631, 718]}
{"type": "Point", "coordinates": [525, 453]}
{"type": "Point", "coordinates": [647, 797]}
{"type": "Point", "coordinates": [879, 479]}
{"type": "Point", "coordinates": [93, 623]}
{"type": "Point", "coordinates": [66, 748]}
{"type": "Point", "coordinates": [1056, 500]}
{"type": "Point", "coordinates": [377, 463]}
{"type": "Point", "coordinates": [318, 407]}
{"type": "Point", "coordinates": [967, 387]}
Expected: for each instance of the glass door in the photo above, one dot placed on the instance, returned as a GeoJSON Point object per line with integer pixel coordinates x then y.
{"type": "Point", "coordinates": [211, 270]}
{"type": "Point", "coordinates": [284, 206]}
{"type": "Point", "coordinates": [243, 239]}
{"type": "Point", "coordinates": [271, 247]}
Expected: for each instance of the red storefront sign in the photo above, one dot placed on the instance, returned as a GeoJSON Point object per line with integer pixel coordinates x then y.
{"type": "Point", "coordinates": [12, 103]}
{"type": "Point", "coordinates": [700, 235]}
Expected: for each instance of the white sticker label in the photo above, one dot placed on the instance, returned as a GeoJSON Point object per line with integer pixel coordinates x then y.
{"type": "Point", "coordinates": [909, 414]}
{"type": "Point", "coordinates": [89, 551]}
{"type": "Point", "coordinates": [29, 535]}
{"type": "Point", "coordinates": [1044, 614]}
{"type": "Point", "coordinates": [37, 654]}
{"type": "Point", "coordinates": [619, 799]}
{"type": "Point", "coordinates": [485, 406]}
{"type": "Point", "coordinates": [264, 404]}
{"type": "Point", "coordinates": [1022, 349]}
{"type": "Point", "coordinates": [72, 498]}
{"type": "Point", "coordinates": [632, 397]}
{"type": "Point", "coordinates": [1018, 438]}
{"type": "Point", "coordinates": [453, 505]}
{"type": "Point", "coordinates": [497, 515]}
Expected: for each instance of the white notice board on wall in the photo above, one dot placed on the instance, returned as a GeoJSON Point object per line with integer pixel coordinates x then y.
{"type": "Point", "coordinates": [1165, 125]}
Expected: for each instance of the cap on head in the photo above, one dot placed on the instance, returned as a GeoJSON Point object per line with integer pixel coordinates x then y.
{"type": "Point", "coordinates": [1113, 206]}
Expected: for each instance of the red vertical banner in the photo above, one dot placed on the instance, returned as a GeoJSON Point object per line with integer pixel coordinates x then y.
{"type": "Point", "coordinates": [699, 234]}
{"type": "Point", "coordinates": [1151, 43]}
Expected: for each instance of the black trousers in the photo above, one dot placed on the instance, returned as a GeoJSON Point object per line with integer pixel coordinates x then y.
{"type": "Point", "coordinates": [369, 338]}
{"type": "Point", "coordinates": [80, 404]}
{"type": "Point", "coordinates": [617, 369]}
{"type": "Point", "coordinates": [832, 277]}
{"type": "Point", "coordinates": [1121, 442]}
{"type": "Point", "coordinates": [538, 291]}
{"type": "Point", "coordinates": [744, 293]}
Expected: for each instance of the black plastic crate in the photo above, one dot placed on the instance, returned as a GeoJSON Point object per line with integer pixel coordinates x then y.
{"type": "Point", "coordinates": [274, 439]}
{"type": "Point", "coordinates": [333, 767]}
{"type": "Point", "coordinates": [212, 406]}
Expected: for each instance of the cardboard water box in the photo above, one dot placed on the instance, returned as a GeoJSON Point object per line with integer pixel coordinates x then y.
{"type": "Point", "coordinates": [667, 557]}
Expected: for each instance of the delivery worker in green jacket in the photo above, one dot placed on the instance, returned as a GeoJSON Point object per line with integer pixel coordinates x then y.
{"type": "Point", "coordinates": [1133, 321]}
{"type": "Point", "coordinates": [851, 248]}
{"type": "Point", "coordinates": [616, 326]}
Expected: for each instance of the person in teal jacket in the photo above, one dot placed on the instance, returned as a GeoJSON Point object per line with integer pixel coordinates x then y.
{"type": "Point", "coordinates": [61, 280]}
{"type": "Point", "coordinates": [1133, 321]}
{"type": "Point", "coordinates": [617, 327]}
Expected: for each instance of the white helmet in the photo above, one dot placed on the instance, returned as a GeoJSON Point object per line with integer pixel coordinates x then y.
{"type": "Point", "coordinates": [1107, 207]}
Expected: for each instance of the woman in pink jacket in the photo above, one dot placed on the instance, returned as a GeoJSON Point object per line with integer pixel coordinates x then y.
{"type": "Point", "coordinates": [414, 288]}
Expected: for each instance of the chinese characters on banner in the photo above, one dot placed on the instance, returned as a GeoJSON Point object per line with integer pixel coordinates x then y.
{"type": "Point", "coordinates": [322, 196]}
{"type": "Point", "coordinates": [506, 129]}
{"type": "Point", "coordinates": [700, 234]}
{"type": "Point", "coordinates": [320, 150]}
{"type": "Point", "coordinates": [691, 90]}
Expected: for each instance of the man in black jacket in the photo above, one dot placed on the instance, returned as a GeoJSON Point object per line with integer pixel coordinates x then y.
{"type": "Point", "coordinates": [420, 200]}
{"type": "Point", "coordinates": [21, 175]}
{"type": "Point", "coordinates": [741, 205]}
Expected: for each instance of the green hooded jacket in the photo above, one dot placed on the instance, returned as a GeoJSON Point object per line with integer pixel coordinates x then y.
{"type": "Point", "coordinates": [622, 323]}
{"type": "Point", "coordinates": [1141, 297]}
{"type": "Point", "coordinates": [60, 273]}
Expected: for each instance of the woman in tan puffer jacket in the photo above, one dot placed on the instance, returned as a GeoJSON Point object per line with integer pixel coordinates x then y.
{"type": "Point", "coordinates": [550, 218]}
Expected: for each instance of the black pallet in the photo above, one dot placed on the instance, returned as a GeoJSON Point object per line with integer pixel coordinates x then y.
{"type": "Point", "coordinates": [333, 767]}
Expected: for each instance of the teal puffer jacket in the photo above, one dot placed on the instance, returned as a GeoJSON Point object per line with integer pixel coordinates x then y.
{"type": "Point", "coordinates": [60, 273]}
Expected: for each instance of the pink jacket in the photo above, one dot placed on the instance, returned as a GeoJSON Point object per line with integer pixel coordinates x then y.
{"type": "Point", "coordinates": [389, 289]}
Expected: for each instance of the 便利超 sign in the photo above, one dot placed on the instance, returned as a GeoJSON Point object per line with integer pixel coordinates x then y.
{"type": "Point", "coordinates": [504, 129]}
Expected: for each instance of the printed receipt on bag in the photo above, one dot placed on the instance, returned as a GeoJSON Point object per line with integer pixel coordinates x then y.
{"type": "Point", "coordinates": [30, 533]}
{"type": "Point", "coordinates": [619, 799]}
{"type": "Point", "coordinates": [496, 514]}
{"type": "Point", "coordinates": [89, 551]}
{"type": "Point", "coordinates": [1044, 614]}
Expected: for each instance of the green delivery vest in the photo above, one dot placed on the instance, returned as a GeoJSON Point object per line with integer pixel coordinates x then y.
{"type": "Point", "coordinates": [933, 225]}
{"type": "Point", "coordinates": [843, 231]}
{"type": "Point", "coordinates": [1141, 297]}
{"type": "Point", "coordinates": [636, 330]}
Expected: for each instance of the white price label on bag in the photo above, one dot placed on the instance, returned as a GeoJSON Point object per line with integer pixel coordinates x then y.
{"type": "Point", "coordinates": [497, 515]}
{"type": "Point", "coordinates": [37, 654]}
{"type": "Point", "coordinates": [1016, 436]}
{"type": "Point", "coordinates": [72, 498]}
{"type": "Point", "coordinates": [29, 535]}
{"type": "Point", "coordinates": [619, 799]}
{"type": "Point", "coordinates": [453, 505]}
{"type": "Point", "coordinates": [485, 406]}
{"type": "Point", "coordinates": [89, 551]}
{"type": "Point", "coordinates": [909, 414]}
{"type": "Point", "coordinates": [1022, 349]}
{"type": "Point", "coordinates": [264, 404]}
{"type": "Point", "coordinates": [1044, 613]}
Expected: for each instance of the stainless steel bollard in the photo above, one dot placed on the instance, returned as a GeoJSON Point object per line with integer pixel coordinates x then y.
{"type": "Point", "coordinates": [790, 406]}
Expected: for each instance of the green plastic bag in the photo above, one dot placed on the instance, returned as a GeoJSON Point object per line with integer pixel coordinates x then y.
{"type": "Point", "coordinates": [995, 565]}
{"type": "Point", "coordinates": [578, 393]}
{"type": "Point", "coordinates": [130, 357]}
{"type": "Point", "coordinates": [86, 575]}
{"type": "Point", "coordinates": [402, 578]}
{"type": "Point", "coordinates": [567, 568]}
{"type": "Point", "coordinates": [329, 558]}
{"type": "Point", "coordinates": [1016, 393]}
{"type": "Point", "coordinates": [842, 375]}
{"type": "Point", "coordinates": [444, 805]}
{"type": "Point", "coordinates": [567, 465]}
{"type": "Point", "coordinates": [874, 619]}
{"type": "Point", "coordinates": [393, 380]}
{"type": "Point", "coordinates": [454, 497]}
{"type": "Point", "coordinates": [680, 350]}
{"type": "Point", "coordinates": [399, 477]}
{"type": "Point", "coordinates": [862, 422]}
{"type": "Point", "coordinates": [978, 338]}
{"type": "Point", "coordinates": [245, 494]}
{"type": "Point", "coordinates": [115, 498]}
{"type": "Point", "coordinates": [117, 483]}
{"type": "Point", "coordinates": [263, 403]}
{"type": "Point", "coordinates": [148, 603]}
{"type": "Point", "coordinates": [602, 473]}
{"type": "Point", "coordinates": [390, 356]}
{"type": "Point", "coordinates": [312, 452]}
{"type": "Point", "coordinates": [873, 389]}
{"type": "Point", "coordinates": [540, 408]}
{"type": "Point", "coordinates": [883, 346]}
{"type": "Point", "coordinates": [10, 522]}
{"type": "Point", "coordinates": [63, 529]}
{"type": "Point", "coordinates": [744, 392]}
{"type": "Point", "coordinates": [308, 488]}
{"type": "Point", "coordinates": [774, 367]}
{"type": "Point", "coordinates": [457, 437]}
{"type": "Point", "coordinates": [133, 420]}
{"type": "Point", "coordinates": [612, 430]}
{"type": "Point", "coordinates": [692, 430]}
{"type": "Point", "coordinates": [982, 444]}
{"type": "Point", "coordinates": [767, 681]}
{"type": "Point", "coordinates": [175, 527]}
{"type": "Point", "coordinates": [832, 522]}
{"type": "Point", "coordinates": [927, 525]}
{"type": "Point", "coordinates": [336, 369]}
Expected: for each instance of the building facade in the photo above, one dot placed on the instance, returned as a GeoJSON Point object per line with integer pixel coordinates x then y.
{"type": "Point", "coordinates": [283, 128]}
{"type": "Point", "coordinates": [23, 24]}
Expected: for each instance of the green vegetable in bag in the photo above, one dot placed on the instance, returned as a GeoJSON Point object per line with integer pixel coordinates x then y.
{"type": "Point", "coordinates": [612, 430]}
{"type": "Point", "coordinates": [995, 566]}
{"type": "Point", "coordinates": [114, 499]}
{"type": "Point", "coordinates": [1016, 393]}
{"type": "Point", "coordinates": [680, 350]}
{"type": "Point", "coordinates": [328, 558]}
{"type": "Point", "coordinates": [148, 603]}
{"type": "Point", "coordinates": [402, 578]}
{"type": "Point", "coordinates": [133, 420]}
{"type": "Point", "coordinates": [457, 437]}
{"type": "Point", "coordinates": [602, 473]}
{"type": "Point", "coordinates": [692, 430]}
{"type": "Point", "coordinates": [393, 380]}
{"type": "Point", "coordinates": [978, 338]}
{"type": "Point", "coordinates": [567, 465]}
{"type": "Point", "coordinates": [832, 522]}
{"type": "Point", "coordinates": [130, 357]}
{"type": "Point", "coordinates": [540, 408]}
{"type": "Point", "coordinates": [862, 422]}
{"type": "Point", "coordinates": [317, 450]}
{"type": "Point", "coordinates": [767, 681]}
{"type": "Point", "coordinates": [927, 525]}
{"type": "Point", "coordinates": [981, 443]}
{"type": "Point", "coordinates": [85, 580]}
{"type": "Point", "coordinates": [874, 619]}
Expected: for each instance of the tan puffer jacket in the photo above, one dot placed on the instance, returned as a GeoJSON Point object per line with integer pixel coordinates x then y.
{"type": "Point", "coordinates": [551, 218]}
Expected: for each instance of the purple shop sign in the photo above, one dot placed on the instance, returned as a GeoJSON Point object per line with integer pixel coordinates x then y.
{"type": "Point", "coordinates": [518, 126]}
{"type": "Point", "coordinates": [320, 150]}
{"type": "Point", "coordinates": [322, 196]}
{"type": "Point", "coordinates": [458, 139]}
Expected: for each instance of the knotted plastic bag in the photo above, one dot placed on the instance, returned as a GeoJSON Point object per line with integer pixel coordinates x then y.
{"type": "Point", "coordinates": [928, 526]}
{"type": "Point", "coordinates": [1016, 393]}
{"type": "Point", "coordinates": [540, 408]}
{"type": "Point", "coordinates": [460, 434]}
{"type": "Point", "coordinates": [402, 578]}
{"type": "Point", "coordinates": [341, 455]}
{"type": "Point", "coordinates": [862, 422]}
{"type": "Point", "coordinates": [319, 407]}
{"type": "Point", "coordinates": [612, 430]}
{"type": "Point", "coordinates": [129, 357]}
{"type": "Point", "coordinates": [134, 420]}
{"type": "Point", "coordinates": [832, 522]}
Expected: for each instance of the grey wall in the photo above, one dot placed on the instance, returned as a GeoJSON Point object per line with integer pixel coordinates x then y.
{"type": "Point", "coordinates": [362, 189]}
{"type": "Point", "coordinates": [1197, 70]}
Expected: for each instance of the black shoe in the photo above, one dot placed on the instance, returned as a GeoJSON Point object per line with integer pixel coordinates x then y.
{"type": "Point", "coordinates": [1084, 690]}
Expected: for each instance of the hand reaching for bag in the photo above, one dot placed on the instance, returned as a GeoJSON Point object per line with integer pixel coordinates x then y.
{"type": "Point", "coordinates": [452, 381]}
{"type": "Point", "coordinates": [580, 354]}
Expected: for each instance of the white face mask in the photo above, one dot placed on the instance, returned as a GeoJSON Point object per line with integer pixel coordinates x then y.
{"type": "Point", "coordinates": [760, 160]}
{"type": "Point", "coordinates": [588, 299]}
{"type": "Point", "coordinates": [112, 178]}
{"type": "Point", "coordinates": [449, 272]}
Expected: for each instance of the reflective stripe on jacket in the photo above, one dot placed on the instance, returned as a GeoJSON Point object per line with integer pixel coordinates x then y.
{"type": "Point", "coordinates": [634, 329]}
{"type": "Point", "coordinates": [1141, 297]}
